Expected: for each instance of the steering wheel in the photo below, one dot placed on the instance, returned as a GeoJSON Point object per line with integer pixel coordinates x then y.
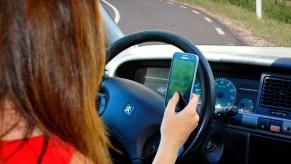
{"type": "Point", "coordinates": [133, 113]}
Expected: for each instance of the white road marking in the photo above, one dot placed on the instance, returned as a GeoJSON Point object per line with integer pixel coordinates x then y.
{"type": "Point", "coordinates": [184, 7]}
{"type": "Point", "coordinates": [207, 19]}
{"type": "Point", "coordinates": [116, 12]}
{"type": "Point", "coordinates": [170, 3]}
{"type": "Point", "coordinates": [196, 12]}
{"type": "Point", "coordinates": [220, 32]}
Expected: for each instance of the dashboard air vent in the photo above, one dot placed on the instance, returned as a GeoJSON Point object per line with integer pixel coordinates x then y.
{"type": "Point", "coordinates": [276, 93]}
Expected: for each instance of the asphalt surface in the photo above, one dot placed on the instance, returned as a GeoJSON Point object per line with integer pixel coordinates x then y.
{"type": "Point", "coordinates": [199, 28]}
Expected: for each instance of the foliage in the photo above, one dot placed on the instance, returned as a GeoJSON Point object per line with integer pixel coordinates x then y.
{"type": "Point", "coordinates": [279, 12]}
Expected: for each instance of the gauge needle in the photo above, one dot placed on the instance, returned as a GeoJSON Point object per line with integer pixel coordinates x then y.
{"type": "Point", "coordinates": [246, 110]}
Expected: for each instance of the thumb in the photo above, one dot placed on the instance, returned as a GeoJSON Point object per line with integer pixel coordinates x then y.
{"type": "Point", "coordinates": [173, 102]}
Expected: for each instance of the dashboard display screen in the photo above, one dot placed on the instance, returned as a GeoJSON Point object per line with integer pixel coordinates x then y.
{"type": "Point", "coordinates": [157, 79]}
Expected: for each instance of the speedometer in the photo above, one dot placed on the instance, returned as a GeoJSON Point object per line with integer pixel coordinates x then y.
{"type": "Point", "coordinates": [197, 87]}
{"type": "Point", "coordinates": [225, 92]}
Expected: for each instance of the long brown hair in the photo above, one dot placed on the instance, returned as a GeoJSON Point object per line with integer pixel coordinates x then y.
{"type": "Point", "coordinates": [51, 64]}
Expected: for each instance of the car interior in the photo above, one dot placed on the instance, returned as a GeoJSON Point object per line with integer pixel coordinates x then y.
{"type": "Point", "coordinates": [244, 106]}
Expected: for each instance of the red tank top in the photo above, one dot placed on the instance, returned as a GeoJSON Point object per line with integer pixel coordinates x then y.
{"type": "Point", "coordinates": [29, 151]}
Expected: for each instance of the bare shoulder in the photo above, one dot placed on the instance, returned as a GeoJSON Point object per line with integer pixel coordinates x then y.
{"type": "Point", "coordinates": [78, 158]}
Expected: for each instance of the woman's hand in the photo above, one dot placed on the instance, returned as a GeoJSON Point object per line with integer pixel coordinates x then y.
{"type": "Point", "coordinates": [176, 128]}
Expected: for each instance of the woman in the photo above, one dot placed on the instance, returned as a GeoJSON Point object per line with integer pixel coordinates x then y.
{"type": "Point", "coordinates": [52, 60]}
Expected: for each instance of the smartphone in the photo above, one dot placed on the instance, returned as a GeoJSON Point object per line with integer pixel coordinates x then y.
{"type": "Point", "coordinates": [181, 78]}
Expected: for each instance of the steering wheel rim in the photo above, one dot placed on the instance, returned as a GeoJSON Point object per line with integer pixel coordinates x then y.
{"type": "Point", "coordinates": [204, 70]}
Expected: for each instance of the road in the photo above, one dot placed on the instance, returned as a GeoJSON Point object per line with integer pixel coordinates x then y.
{"type": "Point", "coordinates": [199, 28]}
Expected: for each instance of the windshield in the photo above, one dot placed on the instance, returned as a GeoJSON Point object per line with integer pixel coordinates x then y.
{"type": "Point", "coordinates": [208, 22]}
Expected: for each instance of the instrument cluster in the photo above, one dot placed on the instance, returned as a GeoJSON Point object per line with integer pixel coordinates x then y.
{"type": "Point", "coordinates": [230, 89]}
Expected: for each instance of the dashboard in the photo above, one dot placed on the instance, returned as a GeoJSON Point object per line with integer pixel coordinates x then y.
{"type": "Point", "coordinates": [256, 80]}
{"type": "Point", "coordinates": [263, 100]}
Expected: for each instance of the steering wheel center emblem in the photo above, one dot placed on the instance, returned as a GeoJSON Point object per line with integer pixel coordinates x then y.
{"type": "Point", "coordinates": [128, 109]}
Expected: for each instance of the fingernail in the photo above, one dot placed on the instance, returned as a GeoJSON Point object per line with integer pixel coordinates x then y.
{"type": "Point", "coordinates": [176, 94]}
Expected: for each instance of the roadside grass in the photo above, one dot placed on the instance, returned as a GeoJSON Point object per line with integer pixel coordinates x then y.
{"type": "Point", "coordinates": [277, 11]}
{"type": "Point", "coordinates": [274, 32]}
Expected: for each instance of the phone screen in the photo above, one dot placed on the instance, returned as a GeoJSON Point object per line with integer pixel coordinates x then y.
{"type": "Point", "coordinates": [182, 76]}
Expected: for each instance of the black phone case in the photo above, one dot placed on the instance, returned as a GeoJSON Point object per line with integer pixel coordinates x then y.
{"type": "Point", "coordinates": [181, 103]}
